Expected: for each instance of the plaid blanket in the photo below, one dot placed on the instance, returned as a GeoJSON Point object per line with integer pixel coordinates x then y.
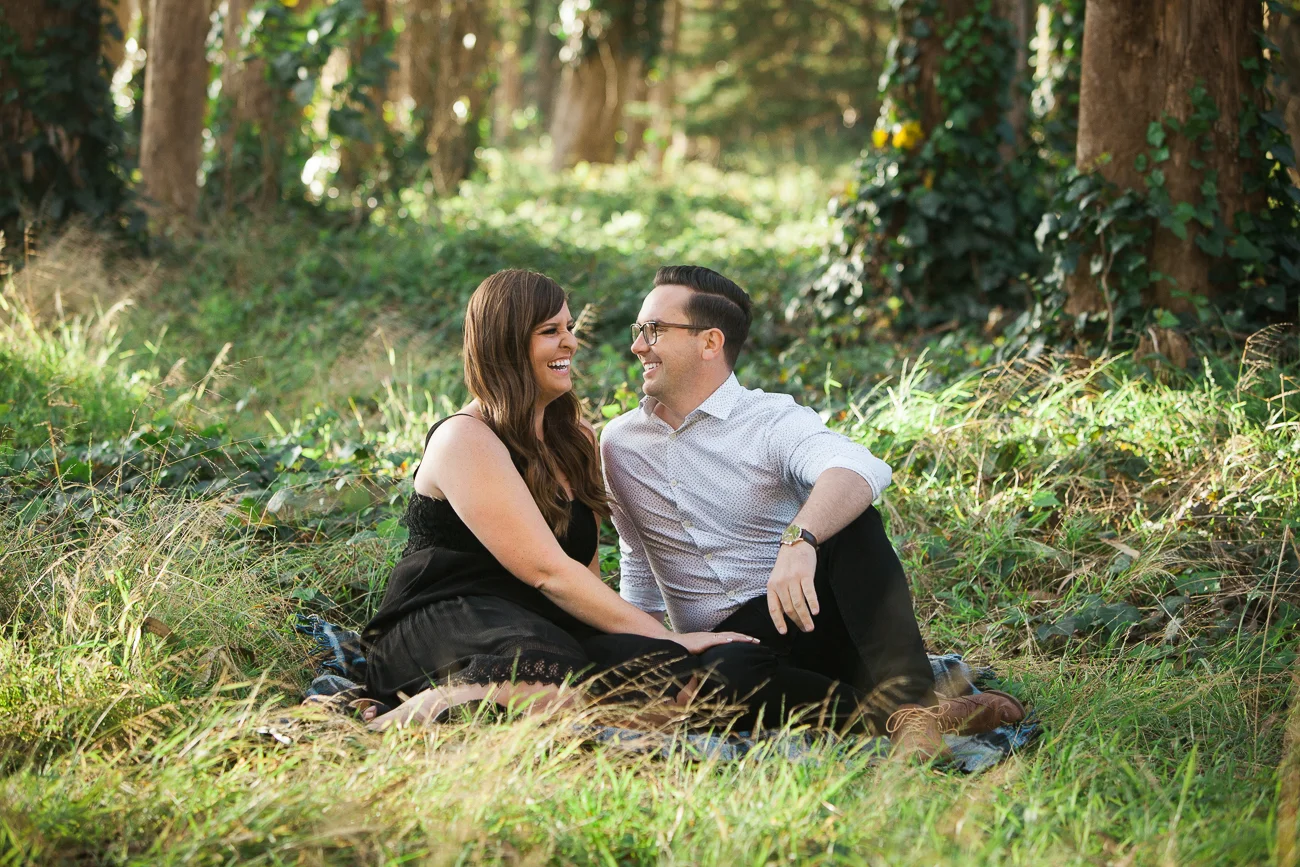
{"type": "Point", "coordinates": [341, 669]}
{"type": "Point", "coordinates": [340, 664]}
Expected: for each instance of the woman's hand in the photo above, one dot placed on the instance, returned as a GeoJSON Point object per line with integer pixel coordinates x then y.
{"type": "Point", "coordinates": [698, 642]}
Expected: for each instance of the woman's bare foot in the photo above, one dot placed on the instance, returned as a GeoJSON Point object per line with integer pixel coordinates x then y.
{"type": "Point", "coordinates": [426, 706]}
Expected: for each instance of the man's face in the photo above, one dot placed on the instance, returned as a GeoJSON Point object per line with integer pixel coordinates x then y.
{"type": "Point", "coordinates": [674, 360]}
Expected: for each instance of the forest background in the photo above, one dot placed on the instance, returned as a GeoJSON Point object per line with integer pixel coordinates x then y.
{"type": "Point", "coordinates": [1040, 256]}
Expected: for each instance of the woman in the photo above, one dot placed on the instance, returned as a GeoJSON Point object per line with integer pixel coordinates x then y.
{"type": "Point", "coordinates": [498, 594]}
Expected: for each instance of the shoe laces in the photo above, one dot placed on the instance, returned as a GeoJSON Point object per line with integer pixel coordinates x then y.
{"type": "Point", "coordinates": [899, 718]}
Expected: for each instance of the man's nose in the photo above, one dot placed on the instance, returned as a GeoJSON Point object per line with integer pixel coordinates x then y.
{"type": "Point", "coordinates": [639, 344]}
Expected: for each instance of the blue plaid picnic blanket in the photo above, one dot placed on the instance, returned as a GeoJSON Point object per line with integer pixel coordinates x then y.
{"type": "Point", "coordinates": [340, 664]}
{"type": "Point", "coordinates": [341, 669]}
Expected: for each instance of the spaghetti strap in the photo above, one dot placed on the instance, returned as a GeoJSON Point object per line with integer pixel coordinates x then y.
{"type": "Point", "coordinates": [429, 435]}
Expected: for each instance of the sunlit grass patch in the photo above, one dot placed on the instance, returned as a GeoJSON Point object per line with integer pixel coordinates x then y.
{"type": "Point", "coordinates": [1118, 542]}
{"type": "Point", "coordinates": [1159, 767]}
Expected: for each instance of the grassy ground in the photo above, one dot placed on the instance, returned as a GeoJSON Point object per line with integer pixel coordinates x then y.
{"type": "Point", "coordinates": [1118, 542]}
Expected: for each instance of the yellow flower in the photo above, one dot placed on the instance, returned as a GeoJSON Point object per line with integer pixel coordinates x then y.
{"type": "Point", "coordinates": [291, 3]}
{"type": "Point", "coordinates": [908, 135]}
{"type": "Point", "coordinates": [880, 137]}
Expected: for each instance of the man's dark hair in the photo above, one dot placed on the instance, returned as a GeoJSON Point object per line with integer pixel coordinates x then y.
{"type": "Point", "coordinates": [716, 302]}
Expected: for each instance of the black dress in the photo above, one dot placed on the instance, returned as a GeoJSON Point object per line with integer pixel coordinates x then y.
{"type": "Point", "coordinates": [452, 614]}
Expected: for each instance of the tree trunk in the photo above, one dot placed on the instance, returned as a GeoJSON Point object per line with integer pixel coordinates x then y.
{"type": "Point", "coordinates": [509, 94]}
{"type": "Point", "coordinates": [175, 96]}
{"type": "Point", "coordinates": [637, 110]}
{"type": "Point", "coordinates": [422, 43]}
{"type": "Point", "coordinates": [1140, 62]}
{"type": "Point", "coordinates": [399, 82]}
{"type": "Point", "coordinates": [20, 175]}
{"type": "Point", "coordinates": [115, 42]}
{"type": "Point", "coordinates": [921, 94]}
{"type": "Point", "coordinates": [1284, 31]}
{"type": "Point", "coordinates": [251, 102]}
{"type": "Point", "coordinates": [452, 96]}
{"type": "Point", "coordinates": [546, 62]}
{"type": "Point", "coordinates": [1021, 14]}
{"type": "Point", "coordinates": [663, 95]}
{"type": "Point", "coordinates": [356, 157]}
{"type": "Point", "coordinates": [589, 109]}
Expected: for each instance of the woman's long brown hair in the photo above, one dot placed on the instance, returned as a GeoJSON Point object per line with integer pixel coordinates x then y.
{"type": "Point", "coordinates": [499, 323]}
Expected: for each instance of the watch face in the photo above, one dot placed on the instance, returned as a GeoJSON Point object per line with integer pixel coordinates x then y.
{"type": "Point", "coordinates": [791, 535]}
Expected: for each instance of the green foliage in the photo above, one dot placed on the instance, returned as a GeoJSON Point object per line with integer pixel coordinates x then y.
{"type": "Point", "coordinates": [1116, 546]}
{"type": "Point", "coordinates": [295, 45]}
{"type": "Point", "coordinates": [302, 301]}
{"type": "Point", "coordinates": [68, 384]}
{"type": "Point", "coordinates": [633, 25]}
{"type": "Point", "coordinates": [768, 69]}
{"type": "Point", "coordinates": [937, 220]}
{"type": "Point", "coordinates": [1108, 231]}
{"type": "Point", "coordinates": [149, 651]}
{"type": "Point", "coordinates": [62, 150]}
{"type": "Point", "coordinates": [1056, 93]}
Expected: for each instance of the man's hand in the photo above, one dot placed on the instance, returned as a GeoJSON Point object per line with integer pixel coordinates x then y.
{"type": "Point", "coordinates": [790, 590]}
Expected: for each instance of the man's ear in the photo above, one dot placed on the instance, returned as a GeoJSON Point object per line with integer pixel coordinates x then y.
{"type": "Point", "coordinates": [713, 344]}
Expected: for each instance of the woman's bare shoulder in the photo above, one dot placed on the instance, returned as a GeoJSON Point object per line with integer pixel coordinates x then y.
{"type": "Point", "coordinates": [467, 429]}
{"type": "Point", "coordinates": [463, 437]}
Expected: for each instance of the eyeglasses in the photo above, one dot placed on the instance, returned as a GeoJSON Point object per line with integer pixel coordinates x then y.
{"type": "Point", "coordinates": [650, 330]}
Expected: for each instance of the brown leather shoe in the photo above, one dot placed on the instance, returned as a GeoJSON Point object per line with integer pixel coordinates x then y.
{"type": "Point", "coordinates": [981, 712]}
{"type": "Point", "coordinates": [916, 731]}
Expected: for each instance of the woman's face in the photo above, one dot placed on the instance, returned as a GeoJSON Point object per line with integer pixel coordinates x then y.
{"type": "Point", "coordinates": [551, 352]}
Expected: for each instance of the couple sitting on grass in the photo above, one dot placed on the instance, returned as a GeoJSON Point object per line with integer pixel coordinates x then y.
{"type": "Point", "coordinates": [740, 516]}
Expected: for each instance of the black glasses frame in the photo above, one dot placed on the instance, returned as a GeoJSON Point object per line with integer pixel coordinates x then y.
{"type": "Point", "coordinates": [649, 331]}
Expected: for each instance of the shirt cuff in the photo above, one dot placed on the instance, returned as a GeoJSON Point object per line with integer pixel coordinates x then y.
{"type": "Point", "coordinates": [875, 472]}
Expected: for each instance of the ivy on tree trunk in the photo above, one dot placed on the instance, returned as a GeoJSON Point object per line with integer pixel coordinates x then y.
{"type": "Point", "coordinates": [60, 145]}
{"type": "Point", "coordinates": [1142, 65]}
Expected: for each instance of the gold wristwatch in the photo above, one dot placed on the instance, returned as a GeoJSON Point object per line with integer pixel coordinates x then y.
{"type": "Point", "coordinates": [795, 534]}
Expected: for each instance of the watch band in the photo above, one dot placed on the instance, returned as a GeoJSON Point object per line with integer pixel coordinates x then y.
{"type": "Point", "coordinates": [794, 534]}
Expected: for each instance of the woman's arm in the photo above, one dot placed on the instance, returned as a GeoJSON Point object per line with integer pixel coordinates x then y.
{"type": "Point", "coordinates": [473, 469]}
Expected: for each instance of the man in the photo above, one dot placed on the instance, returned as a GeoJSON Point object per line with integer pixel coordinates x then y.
{"type": "Point", "coordinates": [739, 510]}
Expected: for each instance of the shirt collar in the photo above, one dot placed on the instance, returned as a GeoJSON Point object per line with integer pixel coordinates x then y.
{"type": "Point", "coordinates": [719, 404]}
{"type": "Point", "coordinates": [723, 401]}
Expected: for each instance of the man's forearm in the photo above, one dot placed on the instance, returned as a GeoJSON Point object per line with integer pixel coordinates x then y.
{"type": "Point", "coordinates": [838, 497]}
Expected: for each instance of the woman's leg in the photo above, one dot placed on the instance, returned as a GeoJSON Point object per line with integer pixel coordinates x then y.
{"type": "Point", "coordinates": [426, 706]}
{"type": "Point", "coordinates": [482, 644]}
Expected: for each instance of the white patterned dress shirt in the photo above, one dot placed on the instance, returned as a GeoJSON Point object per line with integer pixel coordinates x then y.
{"type": "Point", "coordinates": [700, 510]}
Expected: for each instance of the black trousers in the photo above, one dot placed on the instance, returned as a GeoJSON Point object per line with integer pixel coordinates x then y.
{"type": "Point", "coordinates": [864, 653]}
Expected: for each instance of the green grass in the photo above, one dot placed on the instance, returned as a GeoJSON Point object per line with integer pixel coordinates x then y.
{"type": "Point", "coordinates": [1118, 541]}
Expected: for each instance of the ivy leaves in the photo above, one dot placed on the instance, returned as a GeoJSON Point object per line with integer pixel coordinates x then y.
{"type": "Point", "coordinates": [945, 207]}
{"type": "Point", "coordinates": [69, 158]}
